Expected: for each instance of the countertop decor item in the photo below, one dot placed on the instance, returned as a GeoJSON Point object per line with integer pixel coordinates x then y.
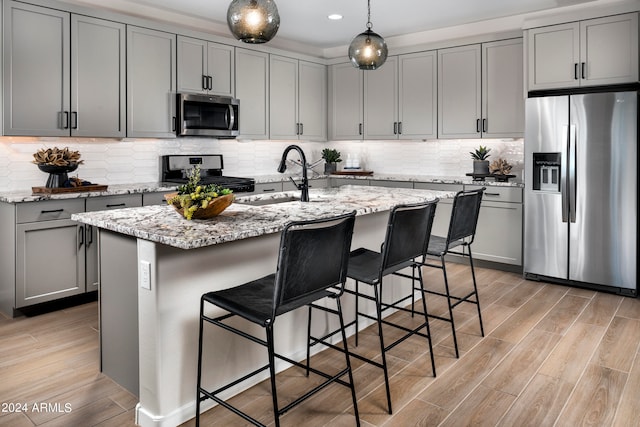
{"type": "Point", "coordinates": [331, 157]}
{"type": "Point", "coordinates": [57, 163]}
{"type": "Point", "coordinates": [194, 201]}
{"type": "Point", "coordinates": [368, 50]}
{"type": "Point", "coordinates": [253, 21]}
{"type": "Point", "coordinates": [500, 167]}
{"type": "Point", "coordinates": [480, 162]}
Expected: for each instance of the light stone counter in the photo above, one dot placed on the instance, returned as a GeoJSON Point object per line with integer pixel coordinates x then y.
{"type": "Point", "coordinates": [162, 224]}
{"type": "Point", "coordinates": [21, 196]}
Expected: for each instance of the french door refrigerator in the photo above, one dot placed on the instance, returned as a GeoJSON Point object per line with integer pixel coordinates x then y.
{"type": "Point", "coordinates": [581, 190]}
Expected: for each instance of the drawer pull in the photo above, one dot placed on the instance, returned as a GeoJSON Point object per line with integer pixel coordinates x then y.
{"type": "Point", "coordinates": [268, 190]}
{"type": "Point", "coordinates": [52, 211]}
{"type": "Point", "coordinates": [492, 194]}
{"type": "Point", "coordinates": [117, 205]}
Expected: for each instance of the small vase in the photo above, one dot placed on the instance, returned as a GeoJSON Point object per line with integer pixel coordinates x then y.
{"type": "Point", "coordinates": [329, 168]}
{"type": "Point", "coordinates": [481, 167]}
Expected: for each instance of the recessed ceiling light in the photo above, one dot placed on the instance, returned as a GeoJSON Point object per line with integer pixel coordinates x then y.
{"type": "Point", "coordinates": [335, 16]}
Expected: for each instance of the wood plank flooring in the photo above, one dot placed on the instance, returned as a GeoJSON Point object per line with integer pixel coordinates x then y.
{"type": "Point", "coordinates": [552, 356]}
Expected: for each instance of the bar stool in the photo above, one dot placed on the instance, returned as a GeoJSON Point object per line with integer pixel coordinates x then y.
{"type": "Point", "coordinates": [407, 237]}
{"type": "Point", "coordinates": [312, 265]}
{"type": "Point", "coordinates": [462, 230]}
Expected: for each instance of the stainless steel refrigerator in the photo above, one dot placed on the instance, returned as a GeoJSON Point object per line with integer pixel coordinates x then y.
{"type": "Point", "coordinates": [581, 190]}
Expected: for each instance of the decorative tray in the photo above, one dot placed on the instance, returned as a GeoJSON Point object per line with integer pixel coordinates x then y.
{"type": "Point", "coordinates": [353, 172]}
{"type": "Point", "coordinates": [60, 190]}
{"type": "Point", "coordinates": [497, 176]}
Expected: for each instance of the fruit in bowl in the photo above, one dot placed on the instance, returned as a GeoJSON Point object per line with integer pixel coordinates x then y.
{"type": "Point", "coordinates": [195, 201]}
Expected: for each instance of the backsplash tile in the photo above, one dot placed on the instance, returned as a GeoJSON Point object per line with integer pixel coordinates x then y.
{"type": "Point", "coordinates": [114, 161]}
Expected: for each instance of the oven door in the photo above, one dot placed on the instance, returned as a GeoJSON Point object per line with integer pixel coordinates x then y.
{"type": "Point", "coordinates": [207, 115]}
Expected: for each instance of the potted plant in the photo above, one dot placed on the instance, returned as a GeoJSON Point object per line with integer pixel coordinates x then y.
{"type": "Point", "coordinates": [332, 158]}
{"type": "Point", "coordinates": [480, 162]}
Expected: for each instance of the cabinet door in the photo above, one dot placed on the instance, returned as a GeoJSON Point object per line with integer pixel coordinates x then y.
{"type": "Point", "coordinates": [499, 233]}
{"type": "Point", "coordinates": [221, 69]}
{"type": "Point", "coordinates": [91, 233]}
{"type": "Point", "coordinates": [312, 101]}
{"type": "Point", "coordinates": [381, 101]}
{"type": "Point", "coordinates": [98, 72]}
{"type": "Point", "coordinates": [283, 99]}
{"type": "Point", "coordinates": [252, 89]}
{"type": "Point", "coordinates": [36, 44]}
{"type": "Point", "coordinates": [553, 56]}
{"type": "Point", "coordinates": [38, 279]}
{"type": "Point", "coordinates": [192, 64]}
{"type": "Point", "coordinates": [345, 102]}
{"type": "Point", "coordinates": [151, 83]}
{"type": "Point", "coordinates": [609, 50]}
{"type": "Point", "coordinates": [459, 91]}
{"type": "Point", "coordinates": [418, 100]}
{"type": "Point", "coordinates": [502, 89]}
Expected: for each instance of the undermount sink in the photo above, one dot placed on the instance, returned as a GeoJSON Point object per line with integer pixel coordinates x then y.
{"type": "Point", "coordinates": [268, 201]}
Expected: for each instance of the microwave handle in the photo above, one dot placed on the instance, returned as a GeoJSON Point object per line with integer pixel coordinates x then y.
{"type": "Point", "coordinates": [231, 118]}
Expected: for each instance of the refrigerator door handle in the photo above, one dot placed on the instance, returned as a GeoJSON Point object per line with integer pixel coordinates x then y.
{"type": "Point", "coordinates": [572, 173]}
{"type": "Point", "coordinates": [563, 175]}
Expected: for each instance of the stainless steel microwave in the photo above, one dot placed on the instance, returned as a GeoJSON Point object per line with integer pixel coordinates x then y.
{"type": "Point", "coordinates": [207, 115]}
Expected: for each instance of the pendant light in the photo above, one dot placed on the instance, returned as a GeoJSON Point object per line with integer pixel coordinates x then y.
{"type": "Point", "coordinates": [368, 50]}
{"type": "Point", "coordinates": [253, 21]}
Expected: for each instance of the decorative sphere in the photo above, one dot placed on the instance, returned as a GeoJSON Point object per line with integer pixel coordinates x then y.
{"type": "Point", "coordinates": [253, 21]}
{"type": "Point", "coordinates": [368, 51]}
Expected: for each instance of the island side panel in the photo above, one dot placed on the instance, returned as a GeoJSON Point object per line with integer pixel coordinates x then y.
{"type": "Point", "coordinates": [169, 312]}
{"type": "Point", "coordinates": [118, 302]}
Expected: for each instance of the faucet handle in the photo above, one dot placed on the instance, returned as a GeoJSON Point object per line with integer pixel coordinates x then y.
{"type": "Point", "coordinates": [298, 186]}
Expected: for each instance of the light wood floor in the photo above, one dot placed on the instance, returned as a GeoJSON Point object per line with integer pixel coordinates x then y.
{"type": "Point", "coordinates": [552, 355]}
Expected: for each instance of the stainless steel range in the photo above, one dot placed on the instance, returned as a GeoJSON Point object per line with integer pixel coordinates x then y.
{"type": "Point", "coordinates": [175, 169]}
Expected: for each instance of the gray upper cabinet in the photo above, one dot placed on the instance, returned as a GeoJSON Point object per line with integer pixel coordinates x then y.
{"type": "Point", "coordinates": [252, 89]}
{"type": "Point", "coordinates": [459, 92]}
{"type": "Point", "coordinates": [72, 65]}
{"type": "Point", "coordinates": [205, 67]}
{"type": "Point", "coordinates": [346, 117]}
{"type": "Point", "coordinates": [297, 101]}
{"type": "Point", "coordinates": [502, 89]}
{"type": "Point", "coordinates": [480, 91]}
{"type": "Point", "coordinates": [151, 83]}
{"type": "Point", "coordinates": [400, 99]}
{"type": "Point", "coordinates": [592, 52]}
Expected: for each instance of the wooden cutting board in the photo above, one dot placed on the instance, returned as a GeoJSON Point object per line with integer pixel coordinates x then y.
{"type": "Point", "coordinates": [61, 190]}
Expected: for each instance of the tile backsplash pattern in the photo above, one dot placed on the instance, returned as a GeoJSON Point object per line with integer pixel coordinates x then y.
{"type": "Point", "coordinates": [115, 161]}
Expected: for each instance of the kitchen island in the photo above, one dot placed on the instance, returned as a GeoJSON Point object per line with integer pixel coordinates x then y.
{"type": "Point", "coordinates": [155, 265]}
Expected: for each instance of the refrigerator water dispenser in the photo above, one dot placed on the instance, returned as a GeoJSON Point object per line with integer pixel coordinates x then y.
{"type": "Point", "coordinates": [546, 172]}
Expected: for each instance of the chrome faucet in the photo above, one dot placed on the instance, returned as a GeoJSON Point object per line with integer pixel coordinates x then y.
{"type": "Point", "coordinates": [304, 186]}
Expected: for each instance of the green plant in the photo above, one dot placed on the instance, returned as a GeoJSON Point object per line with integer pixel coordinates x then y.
{"type": "Point", "coordinates": [192, 196]}
{"type": "Point", "coordinates": [481, 153]}
{"type": "Point", "coordinates": [331, 155]}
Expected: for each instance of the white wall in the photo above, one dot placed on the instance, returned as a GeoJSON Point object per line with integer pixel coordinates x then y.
{"type": "Point", "coordinates": [113, 161]}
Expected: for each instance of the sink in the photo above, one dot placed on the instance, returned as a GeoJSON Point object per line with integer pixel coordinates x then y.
{"type": "Point", "coordinates": [268, 201]}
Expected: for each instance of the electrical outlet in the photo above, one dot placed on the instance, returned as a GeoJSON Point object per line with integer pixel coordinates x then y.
{"type": "Point", "coordinates": [145, 275]}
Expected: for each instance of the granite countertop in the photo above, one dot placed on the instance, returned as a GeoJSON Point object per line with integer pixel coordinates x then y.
{"type": "Point", "coordinates": [112, 190]}
{"type": "Point", "coordinates": [162, 224]}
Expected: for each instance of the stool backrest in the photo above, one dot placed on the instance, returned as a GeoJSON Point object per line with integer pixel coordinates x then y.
{"type": "Point", "coordinates": [408, 232]}
{"type": "Point", "coordinates": [313, 256]}
{"type": "Point", "coordinates": [464, 215]}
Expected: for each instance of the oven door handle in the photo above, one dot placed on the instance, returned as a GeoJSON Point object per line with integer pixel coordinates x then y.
{"type": "Point", "coordinates": [231, 118]}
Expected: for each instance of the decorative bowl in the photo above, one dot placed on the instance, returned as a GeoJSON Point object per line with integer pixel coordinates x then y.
{"type": "Point", "coordinates": [214, 208]}
{"type": "Point", "coordinates": [57, 174]}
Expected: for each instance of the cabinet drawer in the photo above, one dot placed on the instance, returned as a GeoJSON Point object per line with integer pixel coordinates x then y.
{"type": "Point", "coordinates": [313, 183]}
{"type": "Point", "coordinates": [499, 194]}
{"type": "Point", "coordinates": [48, 210]}
{"type": "Point", "coordinates": [155, 198]}
{"type": "Point", "coordinates": [268, 187]}
{"type": "Point", "coordinates": [391, 184]}
{"type": "Point", "coordinates": [438, 187]}
{"type": "Point", "coordinates": [337, 182]}
{"type": "Point", "coordinates": [114, 202]}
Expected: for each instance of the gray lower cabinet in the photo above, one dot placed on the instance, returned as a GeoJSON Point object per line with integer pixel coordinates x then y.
{"type": "Point", "coordinates": [91, 233]}
{"type": "Point", "coordinates": [154, 198]}
{"type": "Point", "coordinates": [499, 233]}
{"type": "Point", "coordinates": [49, 251]}
{"type": "Point", "coordinates": [443, 210]}
{"type": "Point", "coordinates": [337, 182]}
{"type": "Point", "coordinates": [266, 187]}
{"type": "Point", "coordinates": [392, 184]}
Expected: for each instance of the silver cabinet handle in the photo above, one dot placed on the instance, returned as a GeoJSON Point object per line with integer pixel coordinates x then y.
{"type": "Point", "coordinates": [231, 117]}
{"type": "Point", "coordinates": [572, 173]}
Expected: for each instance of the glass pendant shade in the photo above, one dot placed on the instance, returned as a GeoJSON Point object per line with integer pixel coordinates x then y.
{"type": "Point", "coordinates": [368, 50]}
{"type": "Point", "coordinates": [253, 21]}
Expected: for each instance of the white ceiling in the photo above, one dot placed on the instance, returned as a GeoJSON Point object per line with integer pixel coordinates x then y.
{"type": "Point", "coordinates": [306, 22]}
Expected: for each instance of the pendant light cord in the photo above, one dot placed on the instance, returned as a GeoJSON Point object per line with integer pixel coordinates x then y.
{"type": "Point", "coordinates": [369, 24]}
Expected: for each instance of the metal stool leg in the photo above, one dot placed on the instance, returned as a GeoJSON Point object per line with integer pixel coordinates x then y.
{"type": "Point", "coordinates": [475, 289]}
{"type": "Point", "coordinates": [198, 383]}
{"type": "Point", "coordinates": [348, 359]}
{"type": "Point", "coordinates": [446, 287]}
{"type": "Point", "coordinates": [382, 347]}
{"type": "Point", "coordinates": [426, 320]}
{"type": "Point", "coordinates": [272, 371]}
